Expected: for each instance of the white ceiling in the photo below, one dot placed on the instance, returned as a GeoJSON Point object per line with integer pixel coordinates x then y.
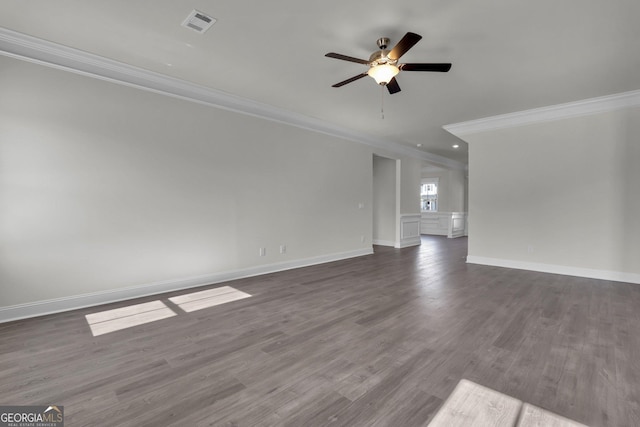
{"type": "Point", "coordinates": [507, 55]}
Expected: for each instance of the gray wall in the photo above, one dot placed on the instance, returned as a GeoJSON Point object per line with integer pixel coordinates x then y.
{"type": "Point", "coordinates": [384, 201]}
{"type": "Point", "coordinates": [410, 186]}
{"type": "Point", "coordinates": [561, 193]}
{"type": "Point", "coordinates": [451, 189]}
{"type": "Point", "coordinates": [104, 187]}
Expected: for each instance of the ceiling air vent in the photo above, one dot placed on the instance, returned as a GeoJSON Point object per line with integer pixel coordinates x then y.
{"type": "Point", "coordinates": [198, 21]}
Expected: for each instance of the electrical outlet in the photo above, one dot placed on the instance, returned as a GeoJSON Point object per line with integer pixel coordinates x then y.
{"type": "Point", "coordinates": [530, 249]}
{"type": "Point", "coordinates": [363, 239]}
{"type": "Point", "coordinates": [263, 251]}
{"type": "Point", "coordinates": [283, 249]}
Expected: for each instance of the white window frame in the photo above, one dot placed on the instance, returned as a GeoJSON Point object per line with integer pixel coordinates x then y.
{"type": "Point", "coordinates": [429, 181]}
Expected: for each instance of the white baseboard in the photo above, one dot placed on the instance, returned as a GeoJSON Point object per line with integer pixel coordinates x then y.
{"type": "Point", "coordinates": [41, 308]}
{"type": "Point", "coordinates": [411, 241]}
{"type": "Point", "coordinates": [433, 232]}
{"type": "Point", "coordinates": [616, 276]}
{"type": "Point", "coordinates": [384, 242]}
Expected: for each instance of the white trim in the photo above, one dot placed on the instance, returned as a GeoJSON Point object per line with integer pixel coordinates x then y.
{"type": "Point", "coordinates": [435, 232]}
{"type": "Point", "coordinates": [457, 222]}
{"type": "Point", "coordinates": [435, 223]}
{"type": "Point", "coordinates": [409, 231]}
{"type": "Point", "coordinates": [41, 308]}
{"type": "Point", "coordinates": [617, 276]}
{"type": "Point", "coordinates": [384, 242]}
{"type": "Point", "coordinates": [32, 49]}
{"type": "Point", "coordinates": [405, 243]}
{"type": "Point", "coordinates": [585, 107]}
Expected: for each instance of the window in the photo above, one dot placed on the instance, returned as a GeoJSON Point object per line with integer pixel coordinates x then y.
{"type": "Point", "coordinates": [429, 196]}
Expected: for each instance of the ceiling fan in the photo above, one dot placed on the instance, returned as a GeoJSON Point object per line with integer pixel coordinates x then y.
{"type": "Point", "coordinates": [383, 64]}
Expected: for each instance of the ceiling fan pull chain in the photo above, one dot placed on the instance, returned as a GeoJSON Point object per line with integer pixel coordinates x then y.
{"type": "Point", "coordinates": [382, 102]}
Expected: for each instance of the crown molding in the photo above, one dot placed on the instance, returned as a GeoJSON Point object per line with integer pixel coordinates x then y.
{"type": "Point", "coordinates": [35, 50]}
{"type": "Point", "coordinates": [585, 107]}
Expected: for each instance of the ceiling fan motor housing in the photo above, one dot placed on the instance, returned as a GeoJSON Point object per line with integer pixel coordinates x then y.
{"type": "Point", "coordinates": [380, 57]}
{"type": "Point", "coordinates": [383, 42]}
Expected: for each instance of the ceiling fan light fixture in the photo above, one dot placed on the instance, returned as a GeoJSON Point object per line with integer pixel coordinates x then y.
{"type": "Point", "coordinates": [383, 73]}
{"type": "Point", "coordinates": [383, 64]}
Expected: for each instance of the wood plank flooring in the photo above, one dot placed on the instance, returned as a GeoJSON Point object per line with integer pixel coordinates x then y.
{"type": "Point", "coordinates": [379, 340]}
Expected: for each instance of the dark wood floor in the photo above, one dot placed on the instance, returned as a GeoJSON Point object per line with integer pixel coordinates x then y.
{"type": "Point", "coordinates": [379, 340]}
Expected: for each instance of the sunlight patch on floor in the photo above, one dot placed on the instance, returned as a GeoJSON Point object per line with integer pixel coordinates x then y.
{"type": "Point", "coordinates": [209, 298]}
{"type": "Point", "coordinates": [126, 317]}
{"type": "Point", "coordinates": [139, 314]}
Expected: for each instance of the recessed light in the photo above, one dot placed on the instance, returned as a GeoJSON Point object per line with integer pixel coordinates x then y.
{"type": "Point", "coordinates": [455, 146]}
{"type": "Point", "coordinates": [418, 145]}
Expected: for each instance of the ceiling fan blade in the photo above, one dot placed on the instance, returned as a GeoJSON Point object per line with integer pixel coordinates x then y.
{"type": "Point", "coordinates": [352, 79]}
{"type": "Point", "coordinates": [407, 42]}
{"type": "Point", "coordinates": [346, 58]}
{"type": "Point", "coordinates": [393, 86]}
{"type": "Point", "coordinates": [443, 68]}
